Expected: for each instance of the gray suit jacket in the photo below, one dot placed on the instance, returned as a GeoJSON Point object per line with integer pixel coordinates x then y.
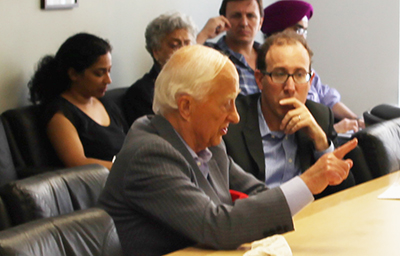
{"type": "Point", "coordinates": [161, 202]}
{"type": "Point", "coordinates": [244, 143]}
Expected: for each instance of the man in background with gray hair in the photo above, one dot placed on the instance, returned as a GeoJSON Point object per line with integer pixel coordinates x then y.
{"type": "Point", "coordinates": [164, 35]}
{"type": "Point", "coordinates": [169, 187]}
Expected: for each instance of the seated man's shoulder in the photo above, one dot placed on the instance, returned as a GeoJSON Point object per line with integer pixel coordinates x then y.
{"type": "Point", "coordinates": [246, 103]}
{"type": "Point", "coordinates": [212, 45]}
{"type": "Point", "coordinates": [143, 140]}
{"type": "Point", "coordinates": [142, 130]}
{"type": "Point", "coordinates": [219, 46]}
{"type": "Point", "coordinates": [317, 108]}
{"type": "Point", "coordinates": [247, 110]}
{"type": "Point", "coordinates": [142, 84]}
{"type": "Point", "coordinates": [246, 100]}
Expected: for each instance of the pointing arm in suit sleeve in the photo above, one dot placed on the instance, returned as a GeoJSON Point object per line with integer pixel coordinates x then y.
{"type": "Point", "coordinates": [162, 184]}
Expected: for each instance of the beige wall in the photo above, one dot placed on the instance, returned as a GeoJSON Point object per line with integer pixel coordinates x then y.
{"type": "Point", "coordinates": [356, 46]}
{"type": "Point", "coordinates": [27, 33]}
{"type": "Point", "coordinates": [356, 42]}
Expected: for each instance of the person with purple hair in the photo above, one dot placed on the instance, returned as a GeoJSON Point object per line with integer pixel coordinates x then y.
{"type": "Point", "coordinates": [294, 15]}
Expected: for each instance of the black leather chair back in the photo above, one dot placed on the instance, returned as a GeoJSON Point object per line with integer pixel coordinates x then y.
{"type": "Point", "coordinates": [54, 193]}
{"type": "Point", "coordinates": [116, 95]}
{"type": "Point", "coordinates": [381, 113]}
{"type": "Point", "coordinates": [360, 169]}
{"type": "Point", "coordinates": [380, 144]}
{"type": "Point", "coordinates": [7, 169]}
{"type": "Point", "coordinates": [89, 232]}
{"type": "Point", "coordinates": [30, 147]}
{"type": "Point", "coordinates": [5, 221]}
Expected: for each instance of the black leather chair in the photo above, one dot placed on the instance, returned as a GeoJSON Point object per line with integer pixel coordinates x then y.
{"type": "Point", "coordinates": [54, 193]}
{"type": "Point", "coordinates": [381, 113]}
{"type": "Point", "coordinates": [7, 169]}
{"type": "Point", "coordinates": [89, 232]}
{"type": "Point", "coordinates": [5, 220]}
{"type": "Point", "coordinates": [380, 144]}
{"type": "Point", "coordinates": [30, 147]}
{"type": "Point", "coordinates": [360, 169]}
{"type": "Point", "coordinates": [116, 95]}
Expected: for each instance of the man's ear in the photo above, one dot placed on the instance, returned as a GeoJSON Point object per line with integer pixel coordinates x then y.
{"type": "Point", "coordinates": [261, 22]}
{"type": "Point", "coordinates": [259, 77]}
{"type": "Point", "coordinates": [155, 54]}
{"type": "Point", "coordinates": [185, 104]}
{"type": "Point", "coordinates": [309, 83]}
{"type": "Point", "coordinates": [312, 76]}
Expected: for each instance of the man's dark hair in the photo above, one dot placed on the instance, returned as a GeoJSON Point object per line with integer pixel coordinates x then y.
{"type": "Point", "coordinates": [222, 9]}
{"type": "Point", "coordinates": [281, 38]}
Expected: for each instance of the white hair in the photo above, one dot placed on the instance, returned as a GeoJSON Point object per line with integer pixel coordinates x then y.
{"type": "Point", "coordinates": [189, 71]}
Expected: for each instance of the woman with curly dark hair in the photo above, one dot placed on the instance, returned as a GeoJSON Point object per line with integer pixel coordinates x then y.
{"type": "Point", "coordinates": [82, 127]}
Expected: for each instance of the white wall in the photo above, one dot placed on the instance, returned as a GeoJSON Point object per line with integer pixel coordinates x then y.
{"type": "Point", "coordinates": [356, 42]}
{"type": "Point", "coordinates": [356, 47]}
{"type": "Point", "coordinates": [27, 33]}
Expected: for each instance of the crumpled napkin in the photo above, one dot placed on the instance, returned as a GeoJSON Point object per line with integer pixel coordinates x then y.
{"type": "Point", "coordinates": [271, 246]}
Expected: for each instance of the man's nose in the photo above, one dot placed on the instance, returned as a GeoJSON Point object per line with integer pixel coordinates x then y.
{"type": "Point", "coordinates": [234, 117]}
{"type": "Point", "coordinates": [290, 85]}
{"type": "Point", "coordinates": [244, 21]}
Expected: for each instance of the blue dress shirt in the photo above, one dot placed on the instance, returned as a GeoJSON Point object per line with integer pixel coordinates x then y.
{"type": "Point", "coordinates": [322, 93]}
{"type": "Point", "coordinates": [280, 153]}
{"type": "Point", "coordinates": [247, 81]}
{"type": "Point", "coordinates": [295, 190]}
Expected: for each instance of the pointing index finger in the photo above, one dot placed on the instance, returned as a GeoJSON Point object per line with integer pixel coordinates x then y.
{"type": "Point", "coordinates": [341, 151]}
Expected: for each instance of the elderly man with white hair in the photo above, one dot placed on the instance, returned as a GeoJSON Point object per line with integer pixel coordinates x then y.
{"type": "Point", "coordinates": [170, 186]}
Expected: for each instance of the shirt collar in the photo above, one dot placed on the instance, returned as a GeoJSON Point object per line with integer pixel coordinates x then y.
{"type": "Point", "coordinates": [225, 49]}
{"type": "Point", "coordinates": [203, 156]}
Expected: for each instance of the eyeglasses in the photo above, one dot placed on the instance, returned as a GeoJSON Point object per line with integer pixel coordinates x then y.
{"type": "Point", "coordinates": [280, 77]}
{"type": "Point", "coordinates": [300, 30]}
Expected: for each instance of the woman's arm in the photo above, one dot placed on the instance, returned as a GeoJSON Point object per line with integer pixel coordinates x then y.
{"type": "Point", "coordinates": [67, 144]}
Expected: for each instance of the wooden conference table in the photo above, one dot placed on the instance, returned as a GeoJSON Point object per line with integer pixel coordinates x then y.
{"type": "Point", "coordinates": [351, 222]}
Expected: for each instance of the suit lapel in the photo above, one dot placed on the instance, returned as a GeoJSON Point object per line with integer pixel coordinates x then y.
{"type": "Point", "coordinates": [304, 153]}
{"type": "Point", "coordinates": [167, 132]}
{"type": "Point", "coordinates": [253, 140]}
{"type": "Point", "coordinates": [219, 183]}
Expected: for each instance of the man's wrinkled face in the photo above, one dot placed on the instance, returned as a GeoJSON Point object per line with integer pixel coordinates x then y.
{"type": "Point", "coordinates": [170, 43]}
{"type": "Point", "coordinates": [212, 115]}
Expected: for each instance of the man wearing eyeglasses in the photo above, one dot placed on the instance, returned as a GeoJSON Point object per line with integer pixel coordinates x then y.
{"type": "Point", "coordinates": [294, 15]}
{"type": "Point", "coordinates": [281, 133]}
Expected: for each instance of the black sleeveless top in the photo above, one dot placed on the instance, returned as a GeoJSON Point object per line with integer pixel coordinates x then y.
{"type": "Point", "coordinates": [100, 142]}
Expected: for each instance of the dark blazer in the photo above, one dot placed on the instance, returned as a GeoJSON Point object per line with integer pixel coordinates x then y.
{"type": "Point", "coordinates": [244, 144]}
{"type": "Point", "coordinates": [138, 99]}
{"type": "Point", "coordinates": [161, 202]}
